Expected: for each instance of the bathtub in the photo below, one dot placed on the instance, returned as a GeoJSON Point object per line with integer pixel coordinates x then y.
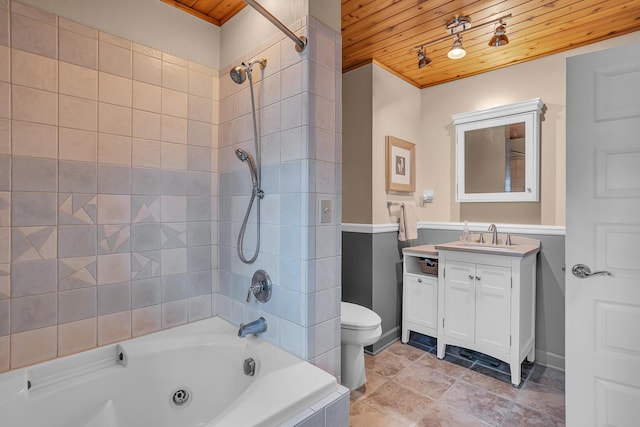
{"type": "Point", "coordinates": [192, 375]}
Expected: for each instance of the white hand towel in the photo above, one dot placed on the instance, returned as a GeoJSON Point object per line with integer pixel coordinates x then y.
{"type": "Point", "coordinates": [408, 229]}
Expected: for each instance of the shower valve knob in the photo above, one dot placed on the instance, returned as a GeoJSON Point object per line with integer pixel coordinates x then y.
{"type": "Point", "coordinates": [260, 286]}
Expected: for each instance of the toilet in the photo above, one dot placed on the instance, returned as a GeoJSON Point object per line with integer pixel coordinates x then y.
{"type": "Point", "coordinates": [359, 327]}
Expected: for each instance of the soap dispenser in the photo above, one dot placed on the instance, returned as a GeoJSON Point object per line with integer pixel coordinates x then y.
{"type": "Point", "coordinates": [465, 236]}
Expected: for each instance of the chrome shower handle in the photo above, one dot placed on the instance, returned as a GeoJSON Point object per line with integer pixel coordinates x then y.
{"type": "Point", "coordinates": [582, 271]}
{"type": "Point", "coordinates": [260, 286]}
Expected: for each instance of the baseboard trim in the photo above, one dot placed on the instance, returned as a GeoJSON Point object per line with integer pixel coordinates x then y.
{"type": "Point", "coordinates": [547, 358]}
{"type": "Point", "coordinates": [385, 341]}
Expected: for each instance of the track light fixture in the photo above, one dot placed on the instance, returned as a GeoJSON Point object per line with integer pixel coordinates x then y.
{"type": "Point", "coordinates": [455, 28]}
{"type": "Point", "coordinates": [423, 60]}
{"type": "Point", "coordinates": [457, 50]}
{"type": "Point", "coordinates": [499, 37]}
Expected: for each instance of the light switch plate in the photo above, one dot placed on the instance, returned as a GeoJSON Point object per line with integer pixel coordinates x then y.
{"type": "Point", "coordinates": [325, 211]}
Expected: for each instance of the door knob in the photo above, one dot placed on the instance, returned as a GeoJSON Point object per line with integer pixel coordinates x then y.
{"type": "Point", "coordinates": [582, 271]}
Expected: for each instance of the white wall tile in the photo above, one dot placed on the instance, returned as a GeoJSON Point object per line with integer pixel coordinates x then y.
{"type": "Point", "coordinates": [291, 337]}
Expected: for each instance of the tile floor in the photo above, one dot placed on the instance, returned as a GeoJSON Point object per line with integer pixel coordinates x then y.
{"type": "Point", "coordinates": [408, 386]}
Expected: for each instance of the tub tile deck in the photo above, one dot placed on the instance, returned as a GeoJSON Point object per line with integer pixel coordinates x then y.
{"type": "Point", "coordinates": [408, 386]}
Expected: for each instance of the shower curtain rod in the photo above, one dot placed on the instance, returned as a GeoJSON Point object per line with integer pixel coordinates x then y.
{"type": "Point", "coordinates": [301, 42]}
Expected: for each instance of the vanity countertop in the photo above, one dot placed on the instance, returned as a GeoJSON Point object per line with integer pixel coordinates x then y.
{"type": "Point", "coordinates": [424, 250]}
{"type": "Point", "coordinates": [520, 247]}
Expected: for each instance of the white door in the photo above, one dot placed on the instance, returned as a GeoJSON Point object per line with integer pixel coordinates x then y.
{"type": "Point", "coordinates": [603, 233]}
{"type": "Point", "coordinates": [460, 300]}
{"type": "Point", "coordinates": [493, 308]}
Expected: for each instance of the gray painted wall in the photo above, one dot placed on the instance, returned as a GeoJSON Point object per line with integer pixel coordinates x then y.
{"type": "Point", "coordinates": [372, 276]}
{"type": "Point", "coordinates": [357, 270]}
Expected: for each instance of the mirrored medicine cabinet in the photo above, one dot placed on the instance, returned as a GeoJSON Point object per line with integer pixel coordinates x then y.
{"type": "Point", "coordinates": [498, 153]}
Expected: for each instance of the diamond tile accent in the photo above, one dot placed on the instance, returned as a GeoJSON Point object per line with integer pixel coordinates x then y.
{"type": "Point", "coordinates": [33, 243]}
{"type": "Point", "coordinates": [5, 283]}
{"type": "Point", "coordinates": [113, 239]}
{"type": "Point", "coordinates": [145, 264]}
{"type": "Point", "coordinates": [173, 235]}
{"type": "Point", "coordinates": [77, 208]}
{"type": "Point", "coordinates": [145, 209]}
{"type": "Point", "coordinates": [75, 273]}
{"type": "Point", "coordinates": [5, 209]}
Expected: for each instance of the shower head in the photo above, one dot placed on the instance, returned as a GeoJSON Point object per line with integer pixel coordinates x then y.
{"type": "Point", "coordinates": [246, 157]}
{"type": "Point", "coordinates": [242, 155]}
{"type": "Point", "coordinates": [239, 73]}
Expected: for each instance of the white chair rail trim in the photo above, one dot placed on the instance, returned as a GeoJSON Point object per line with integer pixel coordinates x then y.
{"type": "Point", "coordinates": [544, 230]}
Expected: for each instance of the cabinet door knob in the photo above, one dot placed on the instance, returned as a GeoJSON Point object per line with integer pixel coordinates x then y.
{"type": "Point", "coordinates": [477, 277]}
{"type": "Point", "coordinates": [471, 277]}
{"type": "Point", "coordinates": [419, 280]}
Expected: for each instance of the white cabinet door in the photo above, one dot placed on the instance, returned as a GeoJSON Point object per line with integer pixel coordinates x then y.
{"type": "Point", "coordinates": [459, 301]}
{"type": "Point", "coordinates": [493, 307]}
{"type": "Point", "coordinates": [421, 299]}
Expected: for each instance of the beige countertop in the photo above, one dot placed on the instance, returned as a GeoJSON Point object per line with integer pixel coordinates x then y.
{"type": "Point", "coordinates": [520, 246]}
{"type": "Point", "coordinates": [425, 250]}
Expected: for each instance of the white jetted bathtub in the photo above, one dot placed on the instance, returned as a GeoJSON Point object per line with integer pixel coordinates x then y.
{"type": "Point", "coordinates": [192, 375]}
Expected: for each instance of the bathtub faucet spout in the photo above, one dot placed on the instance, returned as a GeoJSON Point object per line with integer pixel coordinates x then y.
{"type": "Point", "coordinates": [256, 327]}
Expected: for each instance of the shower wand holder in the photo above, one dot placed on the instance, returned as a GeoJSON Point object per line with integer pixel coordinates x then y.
{"type": "Point", "coordinates": [260, 286]}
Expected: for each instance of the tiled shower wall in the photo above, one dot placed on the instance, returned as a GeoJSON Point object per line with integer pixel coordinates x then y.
{"type": "Point", "coordinates": [107, 165]}
{"type": "Point", "coordinates": [298, 96]}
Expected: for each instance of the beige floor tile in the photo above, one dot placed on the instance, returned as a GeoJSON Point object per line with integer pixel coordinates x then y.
{"type": "Point", "coordinates": [385, 364]}
{"type": "Point", "coordinates": [442, 366]}
{"type": "Point", "coordinates": [400, 402]}
{"type": "Point", "coordinates": [544, 399]}
{"type": "Point", "coordinates": [549, 377]}
{"type": "Point", "coordinates": [443, 416]}
{"type": "Point", "coordinates": [491, 384]}
{"type": "Point", "coordinates": [362, 415]}
{"type": "Point", "coordinates": [521, 416]}
{"type": "Point", "coordinates": [373, 381]}
{"type": "Point", "coordinates": [424, 380]}
{"type": "Point", "coordinates": [406, 351]}
{"type": "Point", "coordinates": [476, 402]}
{"type": "Point", "coordinates": [409, 387]}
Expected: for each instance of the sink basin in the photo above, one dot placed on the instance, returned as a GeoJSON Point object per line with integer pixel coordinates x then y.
{"type": "Point", "coordinates": [486, 247]}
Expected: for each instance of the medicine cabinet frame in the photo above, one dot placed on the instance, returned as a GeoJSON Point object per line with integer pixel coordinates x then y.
{"type": "Point", "coordinates": [526, 111]}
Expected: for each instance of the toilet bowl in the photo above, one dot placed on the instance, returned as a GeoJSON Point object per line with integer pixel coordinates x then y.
{"type": "Point", "coordinates": [359, 327]}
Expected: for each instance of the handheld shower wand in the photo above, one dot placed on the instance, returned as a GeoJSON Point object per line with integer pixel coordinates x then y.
{"type": "Point", "coordinates": [246, 157]}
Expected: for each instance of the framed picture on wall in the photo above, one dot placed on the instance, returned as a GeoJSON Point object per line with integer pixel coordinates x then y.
{"type": "Point", "coordinates": [400, 169]}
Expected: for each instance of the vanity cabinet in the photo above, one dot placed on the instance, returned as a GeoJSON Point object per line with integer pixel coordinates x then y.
{"type": "Point", "coordinates": [419, 293]}
{"type": "Point", "coordinates": [478, 304]}
{"type": "Point", "coordinates": [486, 302]}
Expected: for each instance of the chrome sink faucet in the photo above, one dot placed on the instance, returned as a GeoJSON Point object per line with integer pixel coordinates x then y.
{"type": "Point", "coordinates": [256, 327]}
{"type": "Point", "coordinates": [494, 229]}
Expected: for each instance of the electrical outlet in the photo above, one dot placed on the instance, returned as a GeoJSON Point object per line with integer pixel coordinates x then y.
{"type": "Point", "coordinates": [325, 211]}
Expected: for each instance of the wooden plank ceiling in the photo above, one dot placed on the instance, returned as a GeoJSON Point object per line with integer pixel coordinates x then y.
{"type": "Point", "coordinates": [387, 31]}
{"type": "Point", "coordinates": [215, 11]}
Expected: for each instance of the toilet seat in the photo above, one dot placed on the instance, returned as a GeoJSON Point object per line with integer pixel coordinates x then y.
{"type": "Point", "coordinates": [358, 318]}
